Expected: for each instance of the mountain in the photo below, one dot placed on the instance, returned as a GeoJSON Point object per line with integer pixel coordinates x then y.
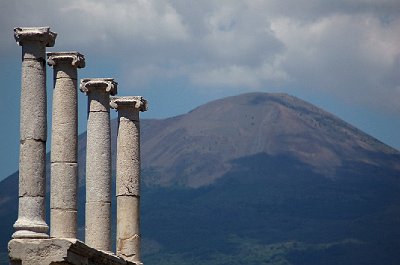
{"type": "Point", "coordinates": [258, 179]}
{"type": "Point", "coordinates": [196, 149]}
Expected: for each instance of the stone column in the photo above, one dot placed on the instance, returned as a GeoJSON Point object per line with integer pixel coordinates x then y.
{"type": "Point", "coordinates": [64, 144]}
{"type": "Point", "coordinates": [33, 132]}
{"type": "Point", "coordinates": [128, 176]}
{"type": "Point", "coordinates": [98, 162]}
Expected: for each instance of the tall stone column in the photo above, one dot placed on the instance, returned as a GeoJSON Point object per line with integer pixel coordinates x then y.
{"type": "Point", "coordinates": [33, 132]}
{"type": "Point", "coordinates": [128, 176]}
{"type": "Point", "coordinates": [98, 162]}
{"type": "Point", "coordinates": [64, 144]}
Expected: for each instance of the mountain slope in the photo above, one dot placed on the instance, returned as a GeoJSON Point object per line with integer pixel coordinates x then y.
{"type": "Point", "coordinates": [276, 210]}
{"type": "Point", "coordinates": [195, 149]}
{"type": "Point", "coordinates": [258, 179]}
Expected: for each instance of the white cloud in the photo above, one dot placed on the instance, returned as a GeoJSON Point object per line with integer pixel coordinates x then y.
{"type": "Point", "coordinates": [349, 49]}
{"type": "Point", "coordinates": [351, 56]}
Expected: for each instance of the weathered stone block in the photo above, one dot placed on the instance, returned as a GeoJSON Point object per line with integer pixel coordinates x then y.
{"type": "Point", "coordinates": [33, 101]}
{"type": "Point", "coordinates": [64, 72]}
{"type": "Point", "coordinates": [128, 227]}
{"type": "Point", "coordinates": [32, 210]}
{"type": "Point", "coordinates": [63, 223]}
{"type": "Point", "coordinates": [99, 101]}
{"type": "Point", "coordinates": [128, 216]}
{"type": "Point", "coordinates": [42, 35]}
{"type": "Point", "coordinates": [60, 252]}
{"type": "Point", "coordinates": [98, 157]}
{"type": "Point", "coordinates": [98, 227]}
{"type": "Point", "coordinates": [33, 50]}
{"type": "Point", "coordinates": [64, 185]}
{"type": "Point", "coordinates": [99, 91]}
{"type": "Point", "coordinates": [128, 162]}
{"type": "Point", "coordinates": [65, 63]}
{"type": "Point", "coordinates": [64, 128]}
{"type": "Point", "coordinates": [32, 168]}
{"type": "Point", "coordinates": [31, 216]}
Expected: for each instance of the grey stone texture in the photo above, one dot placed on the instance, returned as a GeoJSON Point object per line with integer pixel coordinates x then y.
{"type": "Point", "coordinates": [64, 196]}
{"type": "Point", "coordinates": [35, 34]}
{"type": "Point", "coordinates": [65, 105]}
{"type": "Point", "coordinates": [98, 225]}
{"type": "Point", "coordinates": [58, 251]}
{"type": "Point", "coordinates": [32, 169]}
{"type": "Point", "coordinates": [33, 119]}
{"type": "Point", "coordinates": [98, 162]}
{"type": "Point", "coordinates": [31, 216]}
{"type": "Point", "coordinates": [128, 175]}
{"type": "Point", "coordinates": [33, 126]}
{"type": "Point", "coordinates": [64, 144]}
{"type": "Point", "coordinates": [65, 228]}
{"type": "Point", "coordinates": [128, 228]}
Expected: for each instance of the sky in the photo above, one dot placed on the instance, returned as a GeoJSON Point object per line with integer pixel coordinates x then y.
{"type": "Point", "coordinates": [342, 55]}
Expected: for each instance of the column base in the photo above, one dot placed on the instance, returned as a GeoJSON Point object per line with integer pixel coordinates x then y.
{"type": "Point", "coordinates": [29, 235]}
{"type": "Point", "coordinates": [25, 229]}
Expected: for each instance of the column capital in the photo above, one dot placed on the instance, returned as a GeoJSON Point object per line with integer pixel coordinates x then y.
{"type": "Point", "coordinates": [41, 34]}
{"type": "Point", "coordinates": [88, 84]}
{"type": "Point", "coordinates": [75, 58]}
{"type": "Point", "coordinates": [137, 102]}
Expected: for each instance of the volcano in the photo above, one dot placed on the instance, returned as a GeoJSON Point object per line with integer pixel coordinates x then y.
{"type": "Point", "coordinates": [257, 178]}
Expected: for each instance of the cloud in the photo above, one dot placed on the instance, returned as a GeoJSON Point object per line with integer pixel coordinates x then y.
{"type": "Point", "coordinates": [354, 57]}
{"type": "Point", "coordinates": [347, 49]}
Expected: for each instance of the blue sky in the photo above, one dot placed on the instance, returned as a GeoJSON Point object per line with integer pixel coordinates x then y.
{"type": "Point", "coordinates": [343, 56]}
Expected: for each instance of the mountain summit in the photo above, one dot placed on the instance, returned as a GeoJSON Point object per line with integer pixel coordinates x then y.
{"type": "Point", "coordinates": [195, 149]}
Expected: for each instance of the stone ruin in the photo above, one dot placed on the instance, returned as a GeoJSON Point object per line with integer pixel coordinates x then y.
{"type": "Point", "coordinates": [31, 244]}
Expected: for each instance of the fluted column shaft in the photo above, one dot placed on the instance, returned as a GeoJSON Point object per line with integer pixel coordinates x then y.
{"type": "Point", "coordinates": [128, 176]}
{"type": "Point", "coordinates": [33, 132]}
{"type": "Point", "coordinates": [64, 144]}
{"type": "Point", "coordinates": [98, 162]}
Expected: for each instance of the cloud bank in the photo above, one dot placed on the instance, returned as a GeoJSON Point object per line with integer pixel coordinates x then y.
{"type": "Point", "coordinates": [349, 50]}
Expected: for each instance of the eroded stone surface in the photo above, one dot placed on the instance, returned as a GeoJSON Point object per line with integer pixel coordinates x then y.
{"type": "Point", "coordinates": [128, 227]}
{"type": "Point", "coordinates": [66, 228]}
{"type": "Point", "coordinates": [128, 175]}
{"type": "Point", "coordinates": [128, 159]}
{"type": "Point", "coordinates": [103, 84]}
{"type": "Point", "coordinates": [59, 251]}
{"type": "Point", "coordinates": [64, 148]}
{"type": "Point", "coordinates": [32, 169]}
{"type": "Point", "coordinates": [33, 121]}
{"type": "Point", "coordinates": [33, 127]}
{"type": "Point", "coordinates": [74, 59]}
{"type": "Point", "coordinates": [98, 157]}
{"type": "Point", "coordinates": [136, 102]}
{"type": "Point", "coordinates": [31, 216]}
{"type": "Point", "coordinates": [31, 208]}
{"type": "Point", "coordinates": [35, 34]}
{"type": "Point", "coordinates": [99, 91]}
{"type": "Point", "coordinates": [98, 225]}
{"type": "Point", "coordinates": [98, 162]}
{"type": "Point", "coordinates": [64, 185]}
{"type": "Point", "coordinates": [64, 121]}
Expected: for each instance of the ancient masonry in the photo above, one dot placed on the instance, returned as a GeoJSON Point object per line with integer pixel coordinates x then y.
{"type": "Point", "coordinates": [31, 243]}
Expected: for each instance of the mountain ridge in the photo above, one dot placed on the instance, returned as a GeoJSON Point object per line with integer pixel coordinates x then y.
{"type": "Point", "coordinates": [257, 122]}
